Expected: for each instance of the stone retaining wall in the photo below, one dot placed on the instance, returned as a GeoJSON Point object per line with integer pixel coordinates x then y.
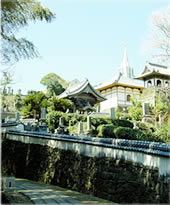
{"type": "Point", "coordinates": [68, 164]}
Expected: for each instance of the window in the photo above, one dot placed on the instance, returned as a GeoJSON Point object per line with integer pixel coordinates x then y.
{"type": "Point", "coordinates": [149, 83]}
{"type": "Point", "coordinates": [128, 98]}
{"type": "Point", "coordinates": [158, 83]}
{"type": "Point", "coordinates": [166, 84]}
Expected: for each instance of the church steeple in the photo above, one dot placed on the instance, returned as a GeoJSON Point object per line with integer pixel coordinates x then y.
{"type": "Point", "coordinates": [125, 58]}
{"type": "Point", "coordinates": [124, 67]}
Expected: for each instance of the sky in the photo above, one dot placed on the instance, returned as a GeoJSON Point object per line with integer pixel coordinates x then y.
{"type": "Point", "coordinates": [87, 40]}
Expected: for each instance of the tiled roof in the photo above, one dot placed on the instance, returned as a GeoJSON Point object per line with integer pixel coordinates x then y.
{"type": "Point", "coordinates": [153, 68]}
{"type": "Point", "coordinates": [120, 79]}
{"type": "Point", "coordinates": [78, 88]}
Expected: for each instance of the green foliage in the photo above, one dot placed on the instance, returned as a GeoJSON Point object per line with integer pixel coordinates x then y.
{"type": "Point", "coordinates": [106, 131]}
{"type": "Point", "coordinates": [118, 113]}
{"type": "Point", "coordinates": [125, 133]}
{"type": "Point", "coordinates": [53, 78]}
{"type": "Point", "coordinates": [163, 131]}
{"type": "Point", "coordinates": [32, 104]}
{"type": "Point", "coordinates": [73, 129]}
{"type": "Point", "coordinates": [162, 107]}
{"type": "Point", "coordinates": [123, 123]}
{"type": "Point", "coordinates": [53, 119]}
{"type": "Point", "coordinates": [54, 83]}
{"type": "Point", "coordinates": [145, 127]}
{"type": "Point", "coordinates": [70, 119]}
{"type": "Point", "coordinates": [18, 101]}
{"type": "Point", "coordinates": [135, 111]}
{"type": "Point", "coordinates": [59, 105]}
{"type": "Point", "coordinates": [96, 121]}
{"type": "Point", "coordinates": [15, 15]}
{"type": "Point", "coordinates": [74, 118]}
{"type": "Point", "coordinates": [136, 134]}
{"type": "Point", "coordinates": [6, 79]}
{"type": "Point", "coordinates": [34, 101]}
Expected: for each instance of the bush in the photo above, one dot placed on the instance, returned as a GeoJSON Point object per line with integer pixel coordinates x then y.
{"type": "Point", "coordinates": [125, 133]}
{"type": "Point", "coordinates": [53, 119]}
{"type": "Point", "coordinates": [106, 131]}
{"type": "Point", "coordinates": [73, 129]}
{"type": "Point", "coordinates": [145, 127]}
{"type": "Point", "coordinates": [163, 133]}
{"type": "Point", "coordinates": [72, 118]}
{"type": "Point", "coordinates": [135, 134]}
{"type": "Point", "coordinates": [96, 121]}
{"type": "Point", "coordinates": [122, 123]}
{"type": "Point", "coordinates": [154, 138]}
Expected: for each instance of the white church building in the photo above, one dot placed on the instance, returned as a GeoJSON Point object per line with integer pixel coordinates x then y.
{"type": "Point", "coordinates": [120, 88]}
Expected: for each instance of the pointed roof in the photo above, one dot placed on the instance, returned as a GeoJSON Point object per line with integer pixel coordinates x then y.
{"type": "Point", "coordinates": [79, 88]}
{"type": "Point", "coordinates": [119, 80]}
{"type": "Point", "coordinates": [125, 58]}
{"type": "Point", "coordinates": [124, 78]}
{"type": "Point", "coordinates": [151, 68]}
{"type": "Point", "coordinates": [124, 67]}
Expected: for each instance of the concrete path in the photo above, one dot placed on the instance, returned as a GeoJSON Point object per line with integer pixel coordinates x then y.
{"type": "Point", "coordinates": [49, 194]}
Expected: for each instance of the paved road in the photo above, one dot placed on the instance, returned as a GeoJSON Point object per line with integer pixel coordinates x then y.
{"type": "Point", "coordinates": [49, 194]}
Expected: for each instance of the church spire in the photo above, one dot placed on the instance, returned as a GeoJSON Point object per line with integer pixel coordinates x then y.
{"type": "Point", "coordinates": [125, 58]}
{"type": "Point", "coordinates": [124, 67]}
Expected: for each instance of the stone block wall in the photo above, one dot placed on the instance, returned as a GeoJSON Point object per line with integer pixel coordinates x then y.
{"type": "Point", "coordinates": [112, 179]}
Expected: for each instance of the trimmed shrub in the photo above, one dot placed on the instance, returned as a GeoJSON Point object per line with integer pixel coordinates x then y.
{"type": "Point", "coordinates": [53, 119]}
{"type": "Point", "coordinates": [122, 123]}
{"type": "Point", "coordinates": [73, 118]}
{"type": "Point", "coordinates": [96, 121]}
{"type": "Point", "coordinates": [125, 133]}
{"type": "Point", "coordinates": [135, 134]}
{"type": "Point", "coordinates": [106, 131]}
{"type": "Point", "coordinates": [145, 127]}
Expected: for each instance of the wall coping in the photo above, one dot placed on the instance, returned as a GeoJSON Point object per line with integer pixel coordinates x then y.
{"type": "Point", "coordinates": [9, 124]}
{"type": "Point", "coordinates": [153, 148]}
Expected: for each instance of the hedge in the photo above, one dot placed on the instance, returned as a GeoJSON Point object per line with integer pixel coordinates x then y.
{"type": "Point", "coordinates": [97, 121]}
{"type": "Point", "coordinates": [125, 133]}
{"type": "Point", "coordinates": [122, 123]}
{"type": "Point", "coordinates": [145, 127]}
{"type": "Point", "coordinates": [103, 127]}
{"type": "Point", "coordinates": [135, 134]}
{"type": "Point", "coordinates": [106, 131]}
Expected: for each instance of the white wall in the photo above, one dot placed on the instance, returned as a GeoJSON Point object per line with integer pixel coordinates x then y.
{"type": "Point", "coordinates": [92, 150]}
{"type": "Point", "coordinates": [107, 104]}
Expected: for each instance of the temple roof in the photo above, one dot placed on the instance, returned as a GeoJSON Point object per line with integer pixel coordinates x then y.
{"type": "Point", "coordinates": [151, 69]}
{"type": "Point", "coordinates": [119, 80]}
{"type": "Point", "coordinates": [79, 88]}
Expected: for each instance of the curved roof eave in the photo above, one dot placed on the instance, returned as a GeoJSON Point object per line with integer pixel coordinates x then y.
{"type": "Point", "coordinates": [141, 77]}
{"type": "Point", "coordinates": [79, 89]}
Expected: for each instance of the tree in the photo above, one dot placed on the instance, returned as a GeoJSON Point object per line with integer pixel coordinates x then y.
{"type": "Point", "coordinates": [5, 80]}
{"type": "Point", "coordinates": [54, 83]}
{"type": "Point", "coordinates": [162, 106]}
{"type": "Point", "coordinates": [15, 15]}
{"type": "Point", "coordinates": [59, 105]}
{"type": "Point", "coordinates": [135, 111]}
{"type": "Point", "coordinates": [32, 104]}
{"type": "Point", "coordinates": [160, 21]}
